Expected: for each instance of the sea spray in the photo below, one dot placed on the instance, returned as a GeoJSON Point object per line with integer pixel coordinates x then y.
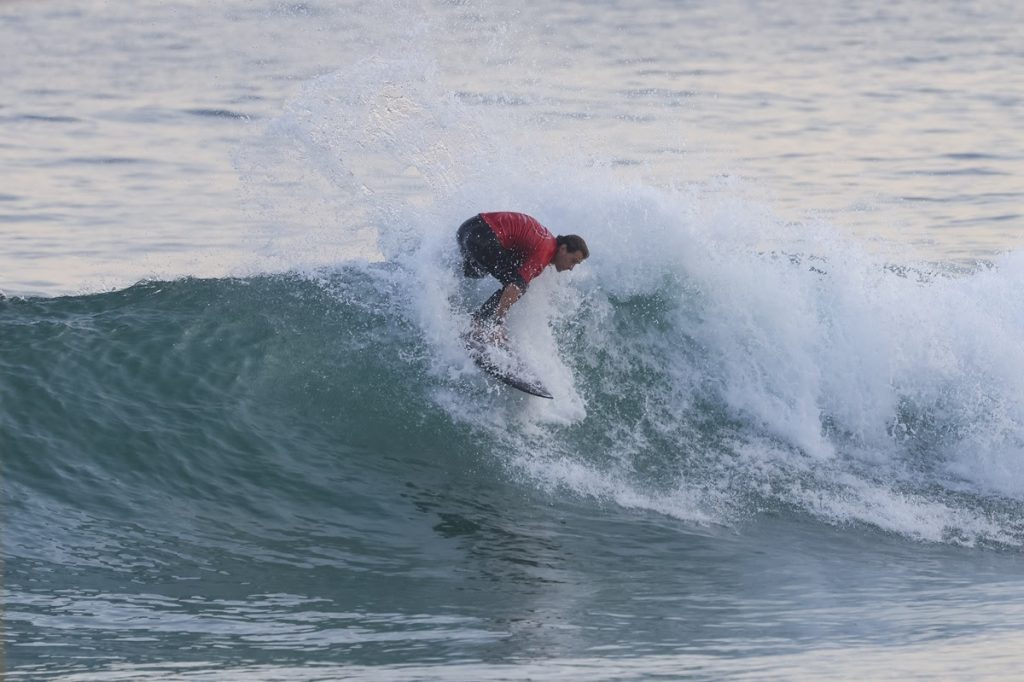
{"type": "Point", "coordinates": [709, 352]}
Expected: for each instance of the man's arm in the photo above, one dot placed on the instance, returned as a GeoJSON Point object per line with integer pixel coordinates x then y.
{"type": "Point", "coordinates": [495, 331]}
{"type": "Point", "coordinates": [510, 295]}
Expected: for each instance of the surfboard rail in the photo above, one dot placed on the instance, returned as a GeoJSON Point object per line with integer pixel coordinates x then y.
{"type": "Point", "coordinates": [511, 375]}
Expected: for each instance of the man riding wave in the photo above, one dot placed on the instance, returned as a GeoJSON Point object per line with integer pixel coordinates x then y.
{"type": "Point", "coordinates": [513, 248]}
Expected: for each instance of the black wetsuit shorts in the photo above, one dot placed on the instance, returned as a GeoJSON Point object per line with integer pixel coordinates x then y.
{"type": "Point", "coordinates": [484, 255]}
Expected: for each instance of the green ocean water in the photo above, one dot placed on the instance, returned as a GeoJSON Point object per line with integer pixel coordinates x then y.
{"type": "Point", "coordinates": [223, 478]}
{"type": "Point", "coordinates": [240, 437]}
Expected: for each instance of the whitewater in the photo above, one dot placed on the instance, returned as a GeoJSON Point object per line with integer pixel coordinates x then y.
{"type": "Point", "coordinates": [243, 439]}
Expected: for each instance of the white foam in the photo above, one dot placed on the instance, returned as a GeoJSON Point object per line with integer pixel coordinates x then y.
{"type": "Point", "coordinates": [826, 360]}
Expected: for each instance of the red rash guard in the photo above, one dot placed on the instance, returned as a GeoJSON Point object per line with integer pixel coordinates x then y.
{"type": "Point", "coordinates": [520, 233]}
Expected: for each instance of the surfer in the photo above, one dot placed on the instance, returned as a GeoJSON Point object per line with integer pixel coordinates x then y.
{"type": "Point", "coordinates": [513, 248]}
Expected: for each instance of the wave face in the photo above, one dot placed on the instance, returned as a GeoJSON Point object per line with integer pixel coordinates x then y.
{"type": "Point", "coordinates": [711, 385]}
{"type": "Point", "coordinates": [711, 361]}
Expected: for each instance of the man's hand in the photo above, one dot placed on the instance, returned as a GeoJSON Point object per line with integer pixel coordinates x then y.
{"type": "Point", "coordinates": [498, 335]}
{"type": "Point", "coordinates": [489, 332]}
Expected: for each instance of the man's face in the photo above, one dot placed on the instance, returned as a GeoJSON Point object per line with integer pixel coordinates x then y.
{"type": "Point", "coordinates": [566, 259]}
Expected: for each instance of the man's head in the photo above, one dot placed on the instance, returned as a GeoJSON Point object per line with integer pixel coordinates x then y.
{"type": "Point", "coordinates": [572, 251]}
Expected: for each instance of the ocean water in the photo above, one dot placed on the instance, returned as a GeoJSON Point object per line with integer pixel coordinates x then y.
{"type": "Point", "coordinates": [240, 438]}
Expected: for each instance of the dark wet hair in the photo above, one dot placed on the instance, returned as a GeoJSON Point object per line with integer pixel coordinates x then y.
{"type": "Point", "coordinates": [573, 243]}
